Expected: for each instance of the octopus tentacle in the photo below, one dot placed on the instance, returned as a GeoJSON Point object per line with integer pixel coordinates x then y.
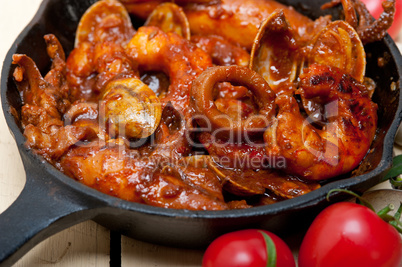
{"type": "Point", "coordinates": [372, 31]}
{"type": "Point", "coordinates": [369, 30]}
{"type": "Point", "coordinates": [44, 103]}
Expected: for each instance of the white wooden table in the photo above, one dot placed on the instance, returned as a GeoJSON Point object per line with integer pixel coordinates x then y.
{"type": "Point", "coordinates": [85, 244]}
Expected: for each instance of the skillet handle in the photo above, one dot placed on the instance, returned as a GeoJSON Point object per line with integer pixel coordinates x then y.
{"type": "Point", "coordinates": [42, 209]}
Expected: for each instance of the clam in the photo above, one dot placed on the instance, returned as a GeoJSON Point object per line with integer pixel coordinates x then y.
{"type": "Point", "coordinates": [169, 17]}
{"type": "Point", "coordinates": [231, 180]}
{"type": "Point", "coordinates": [130, 108]}
{"type": "Point", "coordinates": [250, 182]}
{"type": "Point", "coordinates": [286, 186]}
{"type": "Point", "coordinates": [194, 170]}
{"type": "Point", "coordinates": [106, 20]}
{"type": "Point", "coordinates": [338, 45]}
{"type": "Point", "coordinates": [238, 182]}
{"type": "Point", "coordinates": [274, 54]}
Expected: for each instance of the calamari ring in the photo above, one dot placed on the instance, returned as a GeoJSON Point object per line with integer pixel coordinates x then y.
{"type": "Point", "coordinates": [202, 100]}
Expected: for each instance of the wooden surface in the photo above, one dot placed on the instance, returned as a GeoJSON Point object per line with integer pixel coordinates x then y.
{"type": "Point", "coordinates": [85, 244]}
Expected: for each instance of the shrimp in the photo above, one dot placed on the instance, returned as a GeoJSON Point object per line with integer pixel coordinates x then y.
{"type": "Point", "coordinates": [337, 148]}
{"type": "Point", "coordinates": [142, 8]}
{"type": "Point", "coordinates": [112, 170]}
{"type": "Point", "coordinates": [222, 52]}
{"type": "Point", "coordinates": [238, 20]}
{"type": "Point", "coordinates": [182, 61]}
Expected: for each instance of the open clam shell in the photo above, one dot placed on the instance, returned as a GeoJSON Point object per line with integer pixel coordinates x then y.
{"type": "Point", "coordinates": [194, 170]}
{"type": "Point", "coordinates": [107, 20]}
{"type": "Point", "coordinates": [247, 183]}
{"type": "Point", "coordinates": [227, 177]}
{"type": "Point", "coordinates": [338, 45]}
{"type": "Point", "coordinates": [170, 18]}
{"type": "Point", "coordinates": [274, 54]}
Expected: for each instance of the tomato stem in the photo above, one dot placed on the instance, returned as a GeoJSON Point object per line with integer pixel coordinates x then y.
{"type": "Point", "coordinates": [392, 220]}
{"type": "Point", "coordinates": [397, 222]}
{"type": "Point", "coordinates": [385, 210]}
{"type": "Point", "coordinates": [396, 182]}
{"type": "Point", "coordinates": [271, 250]}
{"type": "Point", "coordinates": [398, 212]}
{"type": "Point", "coordinates": [359, 198]}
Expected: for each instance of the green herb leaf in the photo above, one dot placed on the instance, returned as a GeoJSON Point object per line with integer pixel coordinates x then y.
{"type": "Point", "coordinates": [393, 172]}
{"type": "Point", "coordinates": [396, 168]}
{"type": "Point", "coordinates": [397, 160]}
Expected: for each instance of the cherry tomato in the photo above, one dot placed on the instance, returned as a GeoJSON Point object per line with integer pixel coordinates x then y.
{"type": "Point", "coordinates": [248, 248]}
{"type": "Point", "coordinates": [375, 8]}
{"type": "Point", "coordinates": [348, 234]}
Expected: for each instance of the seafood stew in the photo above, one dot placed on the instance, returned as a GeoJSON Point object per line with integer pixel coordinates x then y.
{"type": "Point", "coordinates": [200, 120]}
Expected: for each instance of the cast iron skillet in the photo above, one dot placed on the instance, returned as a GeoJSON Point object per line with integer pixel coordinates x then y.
{"type": "Point", "coordinates": [51, 201]}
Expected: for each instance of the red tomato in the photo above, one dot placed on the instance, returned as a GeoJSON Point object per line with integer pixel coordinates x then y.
{"type": "Point", "coordinates": [348, 234]}
{"type": "Point", "coordinates": [246, 248]}
{"type": "Point", "coordinates": [375, 8]}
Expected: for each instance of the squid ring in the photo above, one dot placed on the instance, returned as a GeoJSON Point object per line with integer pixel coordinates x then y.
{"type": "Point", "coordinates": [208, 115]}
